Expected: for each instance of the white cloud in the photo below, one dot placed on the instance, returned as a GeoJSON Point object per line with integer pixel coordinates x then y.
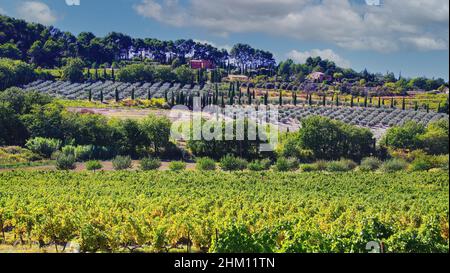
{"type": "Point", "coordinates": [353, 24]}
{"type": "Point", "coordinates": [36, 11]}
{"type": "Point", "coordinates": [2, 11]}
{"type": "Point", "coordinates": [327, 54]}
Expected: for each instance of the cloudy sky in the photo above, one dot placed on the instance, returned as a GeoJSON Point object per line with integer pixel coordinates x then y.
{"type": "Point", "coordinates": [407, 36]}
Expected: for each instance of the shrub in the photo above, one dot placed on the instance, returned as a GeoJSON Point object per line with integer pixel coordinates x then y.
{"type": "Point", "coordinates": [68, 150]}
{"type": "Point", "coordinates": [93, 165]}
{"type": "Point", "coordinates": [394, 165]}
{"type": "Point", "coordinates": [83, 153]}
{"type": "Point", "coordinates": [320, 165]}
{"type": "Point", "coordinates": [370, 164]}
{"type": "Point", "coordinates": [149, 164]}
{"type": "Point", "coordinates": [65, 162]}
{"type": "Point", "coordinates": [43, 146]}
{"type": "Point", "coordinates": [122, 163]}
{"type": "Point", "coordinates": [205, 164]}
{"type": "Point", "coordinates": [286, 164]}
{"type": "Point", "coordinates": [231, 163]}
{"type": "Point", "coordinates": [177, 166]}
{"type": "Point", "coordinates": [307, 168]}
{"type": "Point", "coordinates": [343, 165]}
{"type": "Point", "coordinates": [259, 165]}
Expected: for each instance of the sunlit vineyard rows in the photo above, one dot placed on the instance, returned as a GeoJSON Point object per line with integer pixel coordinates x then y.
{"type": "Point", "coordinates": [222, 212]}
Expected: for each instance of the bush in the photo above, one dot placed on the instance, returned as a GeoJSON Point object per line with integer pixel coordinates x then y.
{"type": "Point", "coordinates": [394, 165]}
{"type": "Point", "coordinates": [65, 162]}
{"type": "Point", "coordinates": [320, 165]}
{"type": "Point", "coordinates": [122, 163]}
{"type": "Point", "coordinates": [83, 153]}
{"type": "Point", "coordinates": [307, 168]}
{"type": "Point", "coordinates": [370, 164]}
{"type": "Point", "coordinates": [68, 150]}
{"type": "Point", "coordinates": [177, 166]}
{"type": "Point", "coordinates": [286, 164]}
{"type": "Point", "coordinates": [93, 165]}
{"type": "Point", "coordinates": [231, 163]}
{"type": "Point", "coordinates": [205, 164]}
{"type": "Point", "coordinates": [259, 165]}
{"type": "Point", "coordinates": [343, 165]}
{"type": "Point", "coordinates": [43, 146]}
{"type": "Point", "coordinates": [150, 164]}
{"type": "Point", "coordinates": [428, 162]}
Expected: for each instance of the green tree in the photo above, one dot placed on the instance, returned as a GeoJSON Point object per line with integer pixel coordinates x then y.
{"type": "Point", "coordinates": [73, 70]}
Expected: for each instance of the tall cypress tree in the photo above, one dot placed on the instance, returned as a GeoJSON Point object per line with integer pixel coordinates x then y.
{"type": "Point", "coordinates": [280, 102]}
{"type": "Point", "coordinates": [266, 98]}
{"type": "Point", "coordinates": [90, 94]}
{"type": "Point", "coordinates": [133, 94]}
{"type": "Point", "coordinates": [352, 102]}
{"type": "Point", "coordinates": [324, 100]}
{"type": "Point", "coordinates": [113, 75]}
{"type": "Point", "coordinates": [101, 95]}
{"type": "Point", "coordinates": [117, 94]}
{"type": "Point", "coordinates": [404, 104]}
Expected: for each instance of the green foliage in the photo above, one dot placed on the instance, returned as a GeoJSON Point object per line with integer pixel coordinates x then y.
{"type": "Point", "coordinates": [22, 102]}
{"type": "Point", "coordinates": [43, 146]}
{"type": "Point", "coordinates": [177, 166]}
{"type": "Point", "coordinates": [65, 162]}
{"type": "Point", "coordinates": [137, 73]}
{"type": "Point", "coordinates": [394, 165]}
{"type": "Point", "coordinates": [184, 74]}
{"type": "Point", "coordinates": [14, 73]}
{"type": "Point", "coordinates": [122, 163]}
{"type": "Point", "coordinates": [259, 165]}
{"type": "Point", "coordinates": [404, 137]}
{"type": "Point", "coordinates": [10, 51]}
{"type": "Point", "coordinates": [156, 131]}
{"type": "Point", "coordinates": [307, 168]}
{"type": "Point", "coordinates": [12, 130]}
{"type": "Point", "coordinates": [236, 239]}
{"type": "Point", "coordinates": [93, 165]}
{"type": "Point", "coordinates": [286, 164]}
{"type": "Point", "coordinates": [370, 164]}
{"type": "Point", "coordinates": [343, 165]}
{"type": "Point", "coordinates": [221, 143]}
{"type": "Point", "coordinates": [232, 163]}
{"type": "Point", "coordinates": [436, 139]}
{"type": "Point", "coordinates": [249, 212]}
{"type": "Point", "coordinates": [73, 70]}
{"type": "Point", "coordinates": [149, 164]}
{"type": "Point", "coordinates": [330, 139]}
{"type": "Point", "coordinates": [205, 164]}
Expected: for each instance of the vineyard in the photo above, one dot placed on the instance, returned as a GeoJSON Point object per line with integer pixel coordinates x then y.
{"type": "Point", "coordinates": [371, 117]}
{"type": "Point", "coordinates": [108, 89]}
{"type": "Point", "coordinates": [225, 212]}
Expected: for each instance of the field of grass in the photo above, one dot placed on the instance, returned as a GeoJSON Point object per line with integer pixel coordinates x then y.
{"type": "Point", "coordinates": [224, 212]}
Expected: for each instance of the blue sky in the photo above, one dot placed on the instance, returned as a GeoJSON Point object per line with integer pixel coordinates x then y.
{"type": "Point", "coordinates": [407, 36]}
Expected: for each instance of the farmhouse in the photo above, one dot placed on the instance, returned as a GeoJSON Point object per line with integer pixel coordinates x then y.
{"type": "Point", "coordinates": [202, 64]}
{"type": "Point", "coordinates": [318, 77]}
